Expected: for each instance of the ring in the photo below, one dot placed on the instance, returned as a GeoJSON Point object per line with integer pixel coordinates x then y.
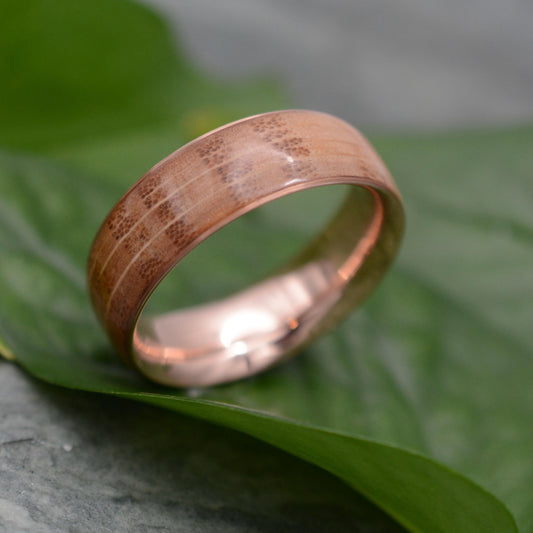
{"type": "Point", "coordinates": [202, 187]}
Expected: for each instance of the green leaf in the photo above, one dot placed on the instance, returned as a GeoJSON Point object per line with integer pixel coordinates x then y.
{"type": "Point", "coordinates": [377, 377]}
{"type": "Point", "coordinates": [436, 368]}
{"type": "Point", "coordinates": [101, 79]}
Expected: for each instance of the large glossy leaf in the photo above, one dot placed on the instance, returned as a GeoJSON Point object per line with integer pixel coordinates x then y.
{"type": "Point", "coordinates": [436, 366]}
{"type": "Point", "coordinates": [314, 407]}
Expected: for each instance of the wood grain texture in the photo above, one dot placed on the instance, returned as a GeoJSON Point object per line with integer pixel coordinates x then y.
{"type": "Point", "coordinates": [210, 182]}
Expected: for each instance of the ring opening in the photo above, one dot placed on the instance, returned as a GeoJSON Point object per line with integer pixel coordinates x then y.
{"type": "Point", "coordinates": [241, 334]}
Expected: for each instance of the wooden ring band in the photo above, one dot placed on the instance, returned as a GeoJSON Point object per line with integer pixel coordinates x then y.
{"type": "Point", "coordinates": [205, 185]}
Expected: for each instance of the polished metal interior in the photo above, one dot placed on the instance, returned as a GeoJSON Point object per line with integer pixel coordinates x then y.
{"type": "Point", "coordinates": [249, 331]}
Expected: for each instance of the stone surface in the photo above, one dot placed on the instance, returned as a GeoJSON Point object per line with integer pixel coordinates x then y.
{"type": "Point", "coordinates": [77, 462]}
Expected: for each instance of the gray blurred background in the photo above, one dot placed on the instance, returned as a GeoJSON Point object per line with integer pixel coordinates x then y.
{"type": "Point", "coordinates": [383, 64]}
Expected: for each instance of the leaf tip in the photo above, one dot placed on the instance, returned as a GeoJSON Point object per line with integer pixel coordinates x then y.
{"type": "Point", "coordinates": [5, 352]}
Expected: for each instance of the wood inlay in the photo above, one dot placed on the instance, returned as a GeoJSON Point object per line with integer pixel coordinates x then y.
{"type": "Point", "coordinates": [220, 176]}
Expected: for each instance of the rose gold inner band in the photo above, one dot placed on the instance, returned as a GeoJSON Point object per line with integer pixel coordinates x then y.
{"type": "Point", "coordinates": [204, 186]}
